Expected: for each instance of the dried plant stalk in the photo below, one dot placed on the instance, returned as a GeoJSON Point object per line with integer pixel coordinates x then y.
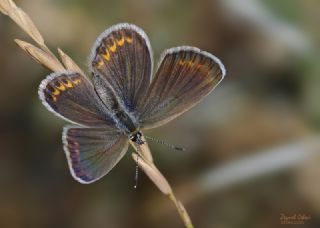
{"type": "Point", "coordinates": [45, 57]}
{"type": "Point", "coordinates": [5, 6]}
{"type": "Point", "coordinates": [154, 174]}
{"type": "Point", "coordinates": [40, 56]}
{"type": "Point", "coordinates": [9, 8]}
{"type": "Point", "coordinates": [160, 181]}
{"type": "Point", "coordinates": [182, 211]}
{"type": "Point", "coordinates": [69, 63]}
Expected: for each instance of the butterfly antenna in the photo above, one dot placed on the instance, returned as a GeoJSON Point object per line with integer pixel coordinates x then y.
{"type": "Point", "coordinates": [137, 172]}
{"type": "Point", "coordinates": [173, 147]}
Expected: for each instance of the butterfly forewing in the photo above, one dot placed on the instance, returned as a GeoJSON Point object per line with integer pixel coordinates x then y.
{"type": "Point", "coordinates": [121, 62]}
{"type": "Point", "coordinates": [72, 97]}
{"type": "Point", "coordinates": [92, 152]}
{"type": "Point", "coordinates": [185, 76]}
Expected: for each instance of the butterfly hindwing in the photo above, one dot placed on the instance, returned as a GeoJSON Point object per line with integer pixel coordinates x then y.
{"type": "Point", "coordinates": [121, 62]}
{"type": "Point", "coordinates": [72, 97]}
{"type": "Point", "coordinates": [92, 152]}
{"type": "Point", "coordinates": [185, 75]}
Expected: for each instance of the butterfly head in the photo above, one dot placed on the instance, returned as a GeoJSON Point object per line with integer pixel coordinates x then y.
{"type": "Point", "coordinates": [136, 138]}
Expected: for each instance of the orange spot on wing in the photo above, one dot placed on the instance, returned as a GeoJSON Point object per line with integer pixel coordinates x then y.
{"type": "Point", "coordinates": [121, 41]}
{"type": "Point", "coordinates": [181, 62]}
{"type": "Point", "coordinates": [76, 81]}
{"type": "Point", "coordinates": [54, 98]}
{"type": "Point", "coordinates": [113, 47]}
{"type": "Point", "coordinates": [106, 56]}
{"type": "Point", "coordinates": [68, 84]}
{"type": "Point", "coordinates": [190, 63]}
{"type": "Point", "coordinates": [61, 87]}
{"type": "Point", "coordinates": [129, 39]}
{"type": "Point", "coordinates": [56, 92]}
{"type": "Point", "coordinates": [100, 64]}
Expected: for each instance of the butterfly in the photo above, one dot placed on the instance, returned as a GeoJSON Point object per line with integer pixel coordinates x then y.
{"type": "Point", "coordinates": [121, 97]}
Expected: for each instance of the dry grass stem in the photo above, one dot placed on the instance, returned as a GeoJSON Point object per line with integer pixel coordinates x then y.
{"type": "Point", "coordinates": [154, 174]}
{"type": "Point", "coordinates": [69, 63]}
{"type": "Point", "coordinates": [4, 6]}
{"type": "Point", "coordinates": [160, 181]}
{"type": "Point", "coordinates": [9, 8]}
{"type": "Point", "coordinates": [149, 168]}
{"type": "Point", "coordinates": [41, 56]}
{"type": "Point", "coordinates": [182, 211]}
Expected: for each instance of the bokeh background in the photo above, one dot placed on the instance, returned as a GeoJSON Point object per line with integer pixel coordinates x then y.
{"type": "Point", "coordinates": [253, 152]}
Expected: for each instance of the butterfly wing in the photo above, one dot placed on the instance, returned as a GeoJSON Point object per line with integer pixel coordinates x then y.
{"type": "Point", "coordinates": [72, 97]}
{"type": "Point", "coordinates": [92, 152]}
{"type": "Point", "coordinates": [184, 77]}
{"type": "Point", "coordinates": [121, 62]}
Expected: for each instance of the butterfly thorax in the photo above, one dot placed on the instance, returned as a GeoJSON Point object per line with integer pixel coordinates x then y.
{"type": "Point", "coordinates": [125, 122]}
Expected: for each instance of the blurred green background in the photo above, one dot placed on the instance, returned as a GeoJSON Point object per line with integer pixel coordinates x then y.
{"type": "Point", "coordinates": [253, 151]}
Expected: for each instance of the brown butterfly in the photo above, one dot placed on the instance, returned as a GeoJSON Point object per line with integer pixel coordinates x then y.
{"type": "Point", "coordinates": [121, 98]}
